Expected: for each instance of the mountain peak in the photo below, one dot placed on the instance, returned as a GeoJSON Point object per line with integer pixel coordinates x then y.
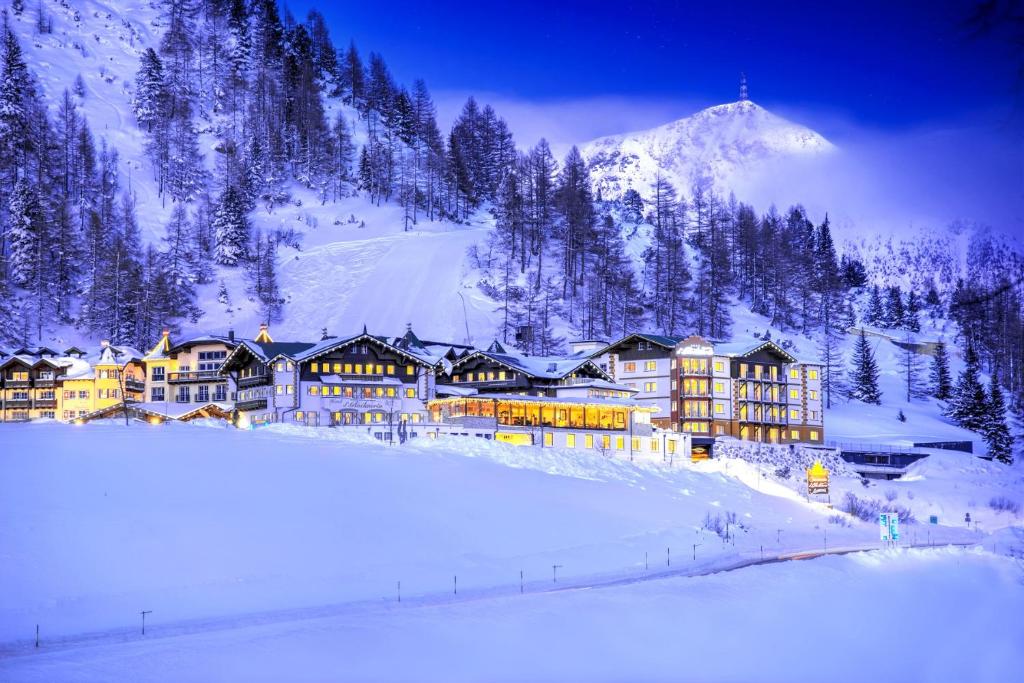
{"type": "Point", "coordinates": [720, 143]}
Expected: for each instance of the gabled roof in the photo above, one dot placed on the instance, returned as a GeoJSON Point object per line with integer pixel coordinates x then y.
{"type": "Point", "coordinates": [665, 341]}
{"type": "Point", "coordinates": [264, 351]}
{"type": "Point", "coordinates": [419, 354]}
{"type": "Point", "coordinates": [205, 339]}
{"type": "Point", "coordinates": [746, 349]}
{"type": "Point", "coordinates": [538, 367]}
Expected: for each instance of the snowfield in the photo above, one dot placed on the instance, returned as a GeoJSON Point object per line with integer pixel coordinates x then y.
{"type": "Point", "coordinates": [276, 555]}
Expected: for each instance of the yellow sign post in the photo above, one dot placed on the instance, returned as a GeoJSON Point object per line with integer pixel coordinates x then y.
{"type": "Point", "coordinates": [817, 478]}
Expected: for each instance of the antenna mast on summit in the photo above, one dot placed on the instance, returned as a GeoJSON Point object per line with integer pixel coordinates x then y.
{"type": "Point", "coordinates": [744, 95]}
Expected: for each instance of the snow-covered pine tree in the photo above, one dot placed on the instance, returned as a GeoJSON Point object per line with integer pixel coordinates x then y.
{"type": "Point", "coordinates": [179, 259]}
{"type": "Point", "coordinates": [910, 364]}
{"type": "Point", "coordinates": [894, 313]}
{"type": "Point", "coordinates": [149, 102]}
{"type": "Point", "coordinates": [26, 233]}
{"type": "Point", "coordinates": [911, 313]}
{"type": "Point", "coordinates": [230, 229]}
{"type": "Point", "coordinates": [864, 375]}
{"type": "Point", "coordinates": [969, 405]}
{"type": "Point", "coordinates": [941, 381]}
{"type": "Point", "coordinates": [996, 431]}
{"type": "Point", "coordinates": [874, 314]}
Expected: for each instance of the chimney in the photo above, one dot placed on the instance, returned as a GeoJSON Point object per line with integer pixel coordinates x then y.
{"type": "Point", "coordinates": [323, 334]}
{"type": "Point", "coordinates": [408, 327]}
{"type": "Point", "coordinates": [231, 335]}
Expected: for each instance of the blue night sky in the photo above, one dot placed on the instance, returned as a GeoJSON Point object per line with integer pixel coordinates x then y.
{"type": "Point", "coordinates": [886, 65]}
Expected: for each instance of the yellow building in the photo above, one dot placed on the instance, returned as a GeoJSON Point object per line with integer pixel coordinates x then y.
{"type": "Point", "coordinates": [88, 387]}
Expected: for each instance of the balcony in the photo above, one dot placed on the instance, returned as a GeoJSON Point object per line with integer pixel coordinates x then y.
{"type": "Point", "coordinates": [252, 404]}
{"type": "Point", "coordinates": [18, 403]}
{"type": "Point", "coordinates": [197, 376]}
{"type": "Point", "coordinates": [253, 381]}
{"type": "Point", "coordinates": [45, 403]}
{"type": "Point", "coordinates": [134, 385]}
{"type": "Point", "coordinates": [44, 382]}
{"type": "Point", "coordinates": [14, 383]}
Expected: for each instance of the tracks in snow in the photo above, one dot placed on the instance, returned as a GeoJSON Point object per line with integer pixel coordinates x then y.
{"type": "Point", "coordinates": [354, 608]}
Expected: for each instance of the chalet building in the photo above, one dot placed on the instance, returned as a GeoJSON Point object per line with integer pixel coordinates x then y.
{"type": "Point", "coordinates": [363, 380]}
{"type": "Point", "coordinates": [547, 401]}
{"type": "Point", "coordinates": [187, 373]}
{"type": "Point", "coordinates": [643, 362]}
{"type": "Point", "coordinates": [90, 386]}
{"type": "Point", "coordinates": [29, 380]}
{"type": "Point", "coordinates": [498, 370]}
{"type": "Point", "coordinates": [752, 391]}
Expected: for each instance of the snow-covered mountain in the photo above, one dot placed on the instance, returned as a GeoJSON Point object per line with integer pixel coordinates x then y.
{"type": "Point", "coordinates": [725, 144]}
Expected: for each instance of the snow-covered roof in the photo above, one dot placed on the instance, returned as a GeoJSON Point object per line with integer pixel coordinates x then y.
{"type": "Point", "coordinates": [538, 367]}
{"type": "Point", "coordinates": [663, 340]}
{"type": "Point", "coordinates": [599, 384]}
{"type": "Point", "coordinates": [743, 349]}
{"type": "Point", "coordinates": [429, 354]}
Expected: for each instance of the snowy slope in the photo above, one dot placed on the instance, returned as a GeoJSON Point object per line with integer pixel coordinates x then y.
{"type": "Point", "coordinates": [238, 540]}
{"type": "Point", "coordinates": [354, 263]}
{"type": "Point", "coordinates": [793, 622]}
{"type": "Point", "coordinates": [724, 144]}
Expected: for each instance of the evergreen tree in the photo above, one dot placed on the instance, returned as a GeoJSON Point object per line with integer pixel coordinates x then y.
{"type": "Point", "coordinates": [894, 313]}
{"type": "Point", "coordinates": [995, 428]}
{"type": "Point", "coordinates": [26, 233]}
{"type": "Point", "coordinates": [875, 313]}
{"type": "Point", "coordinates": [910, 367]}
{"type": "Point", "coordinates": [231, 229]}
{"type": "Point", "coordinates": [941, 384]}
{"type": "Point", "coordinates": [150, 100]}
{"type": "Point", "coordinates": [911, 313]}
{"type": "Point", "coordinates": [968, 407]}
{"type": "Point", "coordinates": [865, 373]}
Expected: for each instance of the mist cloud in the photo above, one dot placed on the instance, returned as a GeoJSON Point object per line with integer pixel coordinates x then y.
{"type": "Point", "coordinates": [877, 180]}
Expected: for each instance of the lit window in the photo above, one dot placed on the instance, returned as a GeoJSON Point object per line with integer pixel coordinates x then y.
{"type": "Point", "coordinates": [455, 379]}
{"type": "Point", "coordinates": [313, 367]}
{"type": "Point", "coordinates": [337, 368]}
{"type": "Point", "coordinates": [410, 393]}
{"type": "Point", "coordinates": [719, 366]}
{"type": "Point", "coordinates": [629, 367]}
{"type": "Point", "coordinates": [671, 445]}
{"type": "Point", "coordinates": [490, 376]}
{"type": "Point", "coordinates": [325, 391]}
{"type": "Point", "coordinates": [588, 441]}
{"type": "Point", "coordinates": [813, 394]}
{"type": "Point", "coordinates": [391, 369]}
{"type": "Point", "coordinates": [719, 387]}
{"type": "Point", "coordinates": [380, 369]}
{"type": "Point", "coordinates": [794, 373]}
{"type": "Point", "coordinates": [299, 415]}
{"type": "Point", "coordinates": [348, 368]}
{"type": "Point", "coordinates": [501, 374]}
{"type": "Point", "coordinates": [719, 409]}
{"type": "Point", "coordinates": [794, 393]}
{"type": "Point", "coordinates": [391, 392]}
{"type": "Point", "coordinates": [655, 445]}
{"type": "Point", "coordinates": [409, 370]}
{"type": "Point", "coordinates": [336, 390]}
{"type": "Point", "coordinates": [280, 389]}
{"type": "Point", "coordinates": [312, 389]}
{"type": "Point", "coordinates": [606, 441]}
{"type": "Point", "coordinates": [794, 414]}
{"type": "Point", "coordinates": [359, 368]}
{"type": "Point", "coordinates": [814, 435]}
{"type": "Point", "coordinates": [650, 386]}
{"type": "Point", "coordinates": [379, 391]}
{"type": "Point", "coordinates": [620, 443]}
{"type": "Point", "coordinates": [291, 366]}
{"type": "Point", "coordinates": [812, 374]}
{"type": "Point", "coordinates": [549, 439]}
{"type": "Point", "coordinates": [291, 389]}
{"type": "Point", "coordinates": [570, 441]}
{"type": "Point", "coordinates": [650, 365]}
{"type": "Point", "coordinates": [794, 434]}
